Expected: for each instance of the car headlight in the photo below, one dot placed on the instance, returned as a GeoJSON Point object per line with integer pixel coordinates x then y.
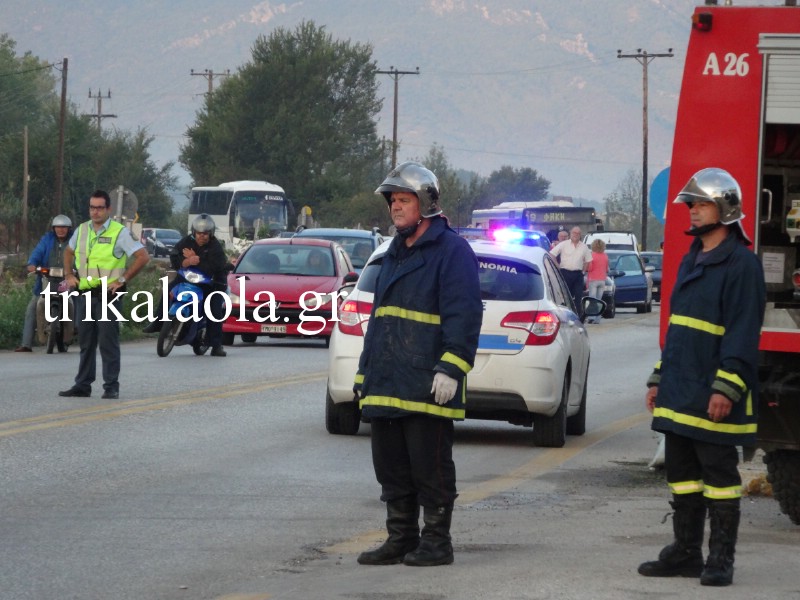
{"type": "Point", "coordinates": [315, 301]}
{"type": "Point", "coordinates": [234, 298]}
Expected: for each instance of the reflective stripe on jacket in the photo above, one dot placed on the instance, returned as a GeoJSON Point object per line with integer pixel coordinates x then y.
{"type": "Point", "coordinates": [94, 255]}
{"type": "Point", "coordinates": [426, 317]}
{"type": "Point", "coordinates": [711, 346]}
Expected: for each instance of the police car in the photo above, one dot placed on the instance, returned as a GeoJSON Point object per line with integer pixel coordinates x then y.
{"type": "Point", "coordinates": [532, 363]}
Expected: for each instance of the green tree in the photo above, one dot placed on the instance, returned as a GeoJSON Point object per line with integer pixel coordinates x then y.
{"type": "Point", "coordinates": [459, 190]}
{"type": "Point", "coordinates": [513, 185]}
{"type": "Point", "coordinates": [365, 210]}
{"type": "Point", "coordinates": [26, 89]}
{"type": "Point", "coordinates": [92, 159]}
{"type": "Point", "coordinates": [624, 210]}
{"type": "Point", "coordinates": [300, 114]}
{"type": "Point", "coordinates": [124, 159]}
{"type": "Point", "coordinates": [624, 204]}
{"type": "Point", "coordinates": [26, 100]}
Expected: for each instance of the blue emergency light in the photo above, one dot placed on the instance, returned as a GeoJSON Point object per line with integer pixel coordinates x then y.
{"type": "Point", "coordinates": [507, 235]}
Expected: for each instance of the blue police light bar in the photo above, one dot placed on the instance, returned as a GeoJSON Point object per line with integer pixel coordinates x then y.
{"type": "Point", "coordinates": [505, 235]}
{"type": "Point", "coordinates": [509, 236]}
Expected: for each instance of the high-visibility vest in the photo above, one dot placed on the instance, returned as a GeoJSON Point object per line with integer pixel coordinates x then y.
{"type": "Point", "coordinates": [94, 255]}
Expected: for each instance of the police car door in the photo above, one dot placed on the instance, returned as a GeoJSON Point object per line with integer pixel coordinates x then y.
{"type": "Point", "coordinates": [571, 328]}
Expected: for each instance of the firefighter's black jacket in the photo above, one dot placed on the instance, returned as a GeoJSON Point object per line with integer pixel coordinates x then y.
{"type": "Point", "coordinates": [426, 317]}
{"type": "Point", "coordinates": [716, 312]}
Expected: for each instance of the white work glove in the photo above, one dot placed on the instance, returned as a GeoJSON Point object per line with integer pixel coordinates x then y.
{"type": "Point", "coordinates": [444, 388]}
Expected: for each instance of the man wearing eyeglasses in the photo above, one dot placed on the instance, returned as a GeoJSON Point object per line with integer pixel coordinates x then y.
{"type": "Point", "coordinates": [99, 249]}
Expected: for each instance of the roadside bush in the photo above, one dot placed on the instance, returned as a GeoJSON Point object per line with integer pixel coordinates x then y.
{"type": "Point", "coordinates": [14, 297]}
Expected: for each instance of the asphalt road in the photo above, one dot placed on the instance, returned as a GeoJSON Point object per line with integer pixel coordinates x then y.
{"type": "Point", "coordinates": [214, 479]}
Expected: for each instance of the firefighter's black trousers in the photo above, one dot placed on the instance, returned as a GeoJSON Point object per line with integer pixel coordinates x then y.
{"type": "Point", "coordinates": [413, 456]}
{"type": "Point", "coordinates": [693, 466]}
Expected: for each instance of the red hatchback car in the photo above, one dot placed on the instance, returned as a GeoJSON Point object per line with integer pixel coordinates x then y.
{"type": "Point", "coordinates": [287, 287]}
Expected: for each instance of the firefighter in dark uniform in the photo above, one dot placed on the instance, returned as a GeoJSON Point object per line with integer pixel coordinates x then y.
{"type": "Point", "coordinates": [703, 391]}
{"type": "Point", "coordinates": [419, 346]}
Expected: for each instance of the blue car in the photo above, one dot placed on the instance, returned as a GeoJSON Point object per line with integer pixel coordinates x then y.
{"type": "Point", "coordinates": [654, 259]}
{"type": "Point", "coordinates": [633, 285]}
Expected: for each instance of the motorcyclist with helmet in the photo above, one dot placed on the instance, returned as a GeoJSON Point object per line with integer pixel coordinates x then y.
{"type": "Point", "coordinates": [703, 392]}
{"type": "Point", "coordinates": [421, 342]}
{"type": "Point", "coordinates": [49, 252]}
{"type": "Point", "coordinates": [202, 250]}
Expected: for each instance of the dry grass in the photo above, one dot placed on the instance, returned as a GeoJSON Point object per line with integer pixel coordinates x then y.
{"type": "Point", "coordinates": [758, 486]}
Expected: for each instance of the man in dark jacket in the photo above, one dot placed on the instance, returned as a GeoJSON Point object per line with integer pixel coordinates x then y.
{"type": "Point", "coordinates": [202, 250]}
{"type": "Point", "coordinates": [703, 391]}
{"type": "Point", "coordinates": [419, 346]}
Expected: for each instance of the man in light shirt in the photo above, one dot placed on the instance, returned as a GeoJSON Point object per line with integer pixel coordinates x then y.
{"type": "Point", "coordinates": [574, 257]}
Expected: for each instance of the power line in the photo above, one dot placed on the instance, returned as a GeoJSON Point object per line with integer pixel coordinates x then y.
{"type": "Point", "coordinates": [561, 67]}
{"type": "Point", "coordinates": [32, 70]}
{"type": "Point", "coordinates": [576, 159]}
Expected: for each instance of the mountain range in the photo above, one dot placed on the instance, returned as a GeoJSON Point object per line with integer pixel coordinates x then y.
{"type": "Point", "coordinates": [523, 83]}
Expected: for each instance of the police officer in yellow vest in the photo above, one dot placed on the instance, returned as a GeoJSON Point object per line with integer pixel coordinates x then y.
{"type": "Point", "coordinates": [99, 248]}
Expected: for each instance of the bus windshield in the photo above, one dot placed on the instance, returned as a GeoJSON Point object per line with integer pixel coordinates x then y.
{"type": "Point", "coordinates": [538, 216]}
{"type": "Point", "coordinates": [256, 214]}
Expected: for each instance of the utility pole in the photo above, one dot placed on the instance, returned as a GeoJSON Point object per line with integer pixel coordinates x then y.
{"type": "Point", "coordinates": [210, 75]}
{"type": "Point", "coordinates": [25, 187]}
{"type": "Point", "coordinates": [644, 59]}
{"type": "Point", "coordinates": [100, 116]}
{"type": "Point", "coordinates": [61, 128]}
{"type": "Point", "coordinates": [396, 74]}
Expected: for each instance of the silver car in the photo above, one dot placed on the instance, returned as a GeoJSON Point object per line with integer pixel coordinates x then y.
{"type": "Point", "coordinates": [532, 363]}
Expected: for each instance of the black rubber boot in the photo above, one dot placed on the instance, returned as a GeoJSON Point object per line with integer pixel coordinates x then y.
{"type": "Point", "coordinates": [724, 516]}
{"type": "Point", "coordinates": [684, 556]}
{"type": "Point", "coordinates": [435, 547]}
{"type": "Point", "coordinates": [402, 523]}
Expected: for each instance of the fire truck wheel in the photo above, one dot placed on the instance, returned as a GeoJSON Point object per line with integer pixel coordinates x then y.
{"type": "Point", "coordinates": [783, 472]}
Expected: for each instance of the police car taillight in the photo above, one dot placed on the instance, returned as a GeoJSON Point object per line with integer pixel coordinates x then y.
{"type": "Point", "coordinates": [351, 315]}
{"type": "Point", "coordinates": [541, 325]}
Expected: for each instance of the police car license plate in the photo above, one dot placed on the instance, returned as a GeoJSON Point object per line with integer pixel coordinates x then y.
{"type": "Point", "coordinates": [273, 329]}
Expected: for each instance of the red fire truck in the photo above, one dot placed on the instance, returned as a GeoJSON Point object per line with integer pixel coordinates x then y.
{"type": "Point", "coordinates": [739, 110]}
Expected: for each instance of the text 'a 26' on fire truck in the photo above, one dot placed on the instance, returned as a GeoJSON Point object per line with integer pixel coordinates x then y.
{"type": "Point", "coordinates": [739, 110]}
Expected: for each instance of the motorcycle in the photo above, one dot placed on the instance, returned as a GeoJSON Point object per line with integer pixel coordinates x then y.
{"type": "Point", "coordinates": [54, 333]}
{"type": "Point", "coordinates": [181, 329]}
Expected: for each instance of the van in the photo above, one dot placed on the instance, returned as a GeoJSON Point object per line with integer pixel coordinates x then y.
{"type": "Point", "coordinates": [615, 240]}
